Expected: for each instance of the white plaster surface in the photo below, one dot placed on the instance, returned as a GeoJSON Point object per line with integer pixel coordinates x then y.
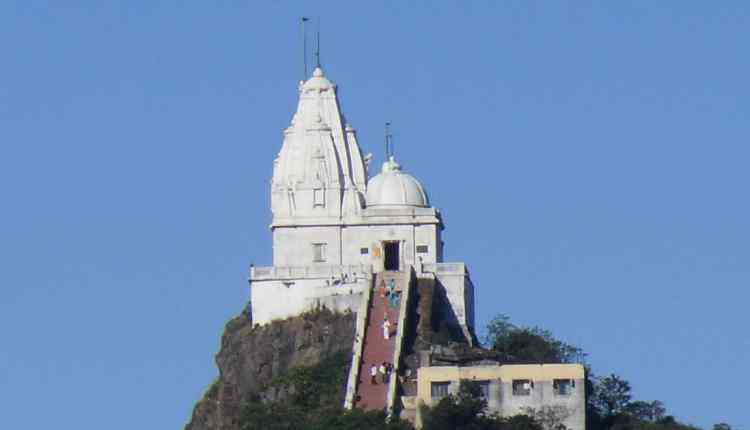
{"type": "Point", "coordinates": [274, 299]}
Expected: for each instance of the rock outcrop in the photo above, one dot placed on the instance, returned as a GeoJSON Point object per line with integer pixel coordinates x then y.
{"type": "Point", "coordinates": [252, 356]}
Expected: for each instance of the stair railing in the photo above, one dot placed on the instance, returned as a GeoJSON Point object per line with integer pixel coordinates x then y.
{"type": "Point", "coordinates": [403, 316]}
{"type": "Point", "coordinates": [358, 347]}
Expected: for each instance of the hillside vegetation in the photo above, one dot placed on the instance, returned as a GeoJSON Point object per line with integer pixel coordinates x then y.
{"type": "Point", "coordinates": [292, 374]}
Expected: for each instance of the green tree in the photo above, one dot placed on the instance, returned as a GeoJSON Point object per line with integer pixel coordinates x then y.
{"type": "Point", "coordinates": [311, 398]}
{"type": "Point", "coordinates": [646, 411]}
{"type": "Point", "coordinates": [271, 416]}
{"type": "Point", "coordinates": [517, 422]}
{"type": "Point", "coordinates": [549, 417]}
{"type": "Point", "coordinates": [467, 411]}
{"type": "Point", "coordinates": [629, 422]}
{"type": "Point", "coordinates": [611, 395]}
{"type": "Point", "coordinates": [301, 395]}
{"type": "Point", "coordinates": [357, 419]}
{"type": "Point", "coordinates": [528, 344]}
{"type": "Point", "coordinates": [609, 402]}
{"type": "Point", "coordinates": [456, 412]}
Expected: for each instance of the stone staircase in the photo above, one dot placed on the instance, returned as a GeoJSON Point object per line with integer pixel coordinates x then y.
{"type": "Point", "coordinates": [376, 349]}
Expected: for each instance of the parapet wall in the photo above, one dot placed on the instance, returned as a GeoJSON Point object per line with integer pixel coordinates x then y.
{"type": "Point", "coordinates": [280, 292]}
{"type": "Point", "coordinates": [456, 284]}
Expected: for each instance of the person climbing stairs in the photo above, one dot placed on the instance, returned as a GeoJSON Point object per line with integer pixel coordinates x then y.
{"type": "Point", "coordinates": [380, 341]}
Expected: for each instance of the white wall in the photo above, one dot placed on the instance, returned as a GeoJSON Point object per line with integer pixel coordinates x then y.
{"type": "Point", "coordinates": [427, 234]}
{"type": "Point", "coordinates": [542, 395]}
{"type": "Point", "coordinates": [272, 299]}
{"type": "Point", "coordinates": [293, 246]}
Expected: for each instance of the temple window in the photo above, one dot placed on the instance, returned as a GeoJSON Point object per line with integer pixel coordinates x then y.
{"type": "Point", "coordinates": [319, 197]}
{"type": "Point", "coordinates": [319, 252]}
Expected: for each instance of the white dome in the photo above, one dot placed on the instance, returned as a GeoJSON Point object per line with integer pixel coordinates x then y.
{"type": "Point", "coordinates": [392, 187]}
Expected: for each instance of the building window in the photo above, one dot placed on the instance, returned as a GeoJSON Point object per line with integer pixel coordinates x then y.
{"type": "Point", "coordinates": [319, 252]}
{"type": "Point", "coordinates": [364, 251]}
{"type": "Point", "coordinates": [439, 390]}
{"type": "Point", "coordinates": [422, 249]}
{"type": "Point", "coordinates": [522, 387]}
{"type": "Point", "coordinates": [319, 197]}
{"type": "Point", "coordinates": [484, 389]}
{"type": "Point", "coordinates": [563, 387]}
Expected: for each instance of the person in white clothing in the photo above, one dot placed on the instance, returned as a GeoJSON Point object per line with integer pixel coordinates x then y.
{"type": "Point", "coordinates": [386, 329]}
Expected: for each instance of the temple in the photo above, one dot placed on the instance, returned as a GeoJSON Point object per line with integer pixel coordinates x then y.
{"type": "Point", "coordinates": [334, 226]}
{"type": "Point", "coordinates": [372, 245]}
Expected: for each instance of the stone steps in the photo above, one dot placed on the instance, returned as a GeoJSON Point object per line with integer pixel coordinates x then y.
{"type": "Point", "coordinates": [376, 348]}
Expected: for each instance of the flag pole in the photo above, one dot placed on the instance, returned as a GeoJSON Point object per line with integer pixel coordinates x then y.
{"type": "Point", "coordinates": [304, 48]}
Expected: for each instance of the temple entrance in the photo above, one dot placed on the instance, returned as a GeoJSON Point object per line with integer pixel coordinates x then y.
{"type": "Point", "coordinates": [391, 255]}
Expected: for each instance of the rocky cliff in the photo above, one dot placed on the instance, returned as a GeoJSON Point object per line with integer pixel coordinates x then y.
{"type": "Point", "coordinates": [252, 356]}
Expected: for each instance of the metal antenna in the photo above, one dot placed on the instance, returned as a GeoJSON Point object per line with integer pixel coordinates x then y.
{"type": "Point", "coordinates": [388, 135]}
{"type": "Point", "coordinates": [317, 48]}
{"type": "Point", "coordinates": [393, 151]}
{"type": "Point", "coordinates": [304, 47]}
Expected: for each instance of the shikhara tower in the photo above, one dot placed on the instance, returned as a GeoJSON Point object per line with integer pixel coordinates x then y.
{"type": "Point", "coordinates": [335, 227]}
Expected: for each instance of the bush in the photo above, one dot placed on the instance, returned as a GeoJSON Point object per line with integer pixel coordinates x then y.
{"type": "Point", "coordinates": [467, 411]}
{"type": "Point", "coordinates": [311, 398]}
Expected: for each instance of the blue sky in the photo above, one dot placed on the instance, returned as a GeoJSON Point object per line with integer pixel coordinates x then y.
{"type": "Point", "coordinates": [590, 160]}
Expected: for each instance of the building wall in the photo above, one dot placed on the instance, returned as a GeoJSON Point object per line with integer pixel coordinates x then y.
{"type": "Point", "coordinates": [372, 236]}
{"type": "Point", "coordinates": [358, 242]}
{"type": "Point", "coordinates": [455, 284]}
{"type": "Point", "coordinates": [427, 235]}
{"type": "Point", "coordinates": [278, 292]}
{"type": "Point", "coordinates": [501, 398]}
{"type": "Point", "coordinates": [354, 238]}
{"type": "Point", "coordinates": [293, 246]}
{"type": "Point", "coordinates": [276, 299]}
{"type": "Point", "coordinates": [469, 313]}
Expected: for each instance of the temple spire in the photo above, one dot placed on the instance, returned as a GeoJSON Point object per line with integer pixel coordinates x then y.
{"type": "Point", "coordinates": [320, 171]}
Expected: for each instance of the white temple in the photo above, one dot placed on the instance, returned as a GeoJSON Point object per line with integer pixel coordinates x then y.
{"type": "Point", "coordinates": [334, 227]}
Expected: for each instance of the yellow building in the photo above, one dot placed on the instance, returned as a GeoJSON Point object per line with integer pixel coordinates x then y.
{"type": "Point", "coordinates": [511, 389]}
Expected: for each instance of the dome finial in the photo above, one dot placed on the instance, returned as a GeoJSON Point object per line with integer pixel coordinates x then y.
{"type": "Point", "coordinates": [317, 48]}
{"type": "Point", "coordinates": [388, 141]}
{"type": "Point", "coordinates": [391, 165]}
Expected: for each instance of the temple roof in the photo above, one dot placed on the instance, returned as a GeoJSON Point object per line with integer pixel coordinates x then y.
{"type": "Point", "coordinates": [320, 151]}
{"type": "Point", "coordinates": [393, 187]}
